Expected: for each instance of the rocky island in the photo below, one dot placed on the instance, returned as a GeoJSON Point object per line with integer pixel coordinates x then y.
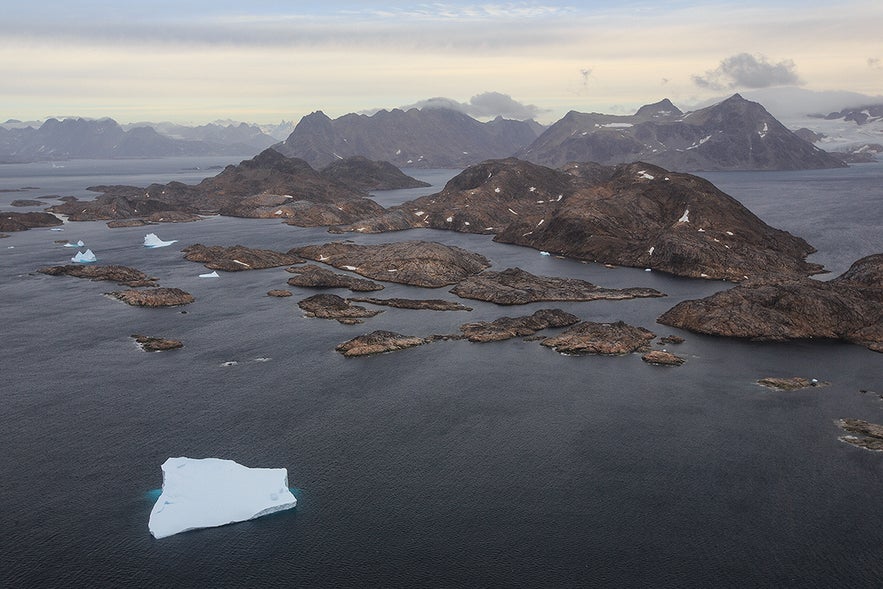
{"type": "Point", "coordinates": [590, 337]}
{"type": "Point", "coordinates": [862, 434]}
{"type": "Point", "coordinates": [509, 327]}
{"type": "Point", "coordinates": [631, 215]}
{"type": "Point", "coordinates": [312, 276]}
{"type": "Point", "coordinates": [416, 263]}
{"type": "Point", "coordinates": [269, 186]}
{"type": "Point", "coordinates": [237, 258]}
{"type": "Point", "coordinates": [155, 297]}
{"type": "Point", "coordinates": [848, 308]}
{"type": "Point", "coordinates": [378, 342]}
{"type": "Point", "coordinates": [122, 275]}
{"type": "Point", "coordinates": [365, 175]}
{"type": "Point", "coordinates": [514, 286]}
{"type": "Point", "coordinates": [24, 221]}
{"type": "Point", "coordinates": [329, 306]}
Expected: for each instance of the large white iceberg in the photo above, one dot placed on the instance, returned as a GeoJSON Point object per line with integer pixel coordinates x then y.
{"type": "Point", "coordinates": [84, 257]}
{"type": "Point", "coordinates": [208, 492]}
{"type": "Point", "coordinates": [152, 241]}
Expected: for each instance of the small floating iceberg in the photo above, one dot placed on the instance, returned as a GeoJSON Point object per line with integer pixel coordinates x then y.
{"type": "Point", "coordinates": [542, 253]}
{"type": "Point", "coordinates": [152, 241]}
{"type": "Point", "coordinates": [209, 492]}
{"type": "Point", "coordinates": [85, 257]}
{"type": "Point", "coordinates": [78, 244]}
{"type": "Point", "coordinates": [57, 229]}
{"type": "Point", "coordinates": [212, 274]}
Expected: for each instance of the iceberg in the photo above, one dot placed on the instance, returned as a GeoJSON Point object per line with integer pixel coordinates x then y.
{"type": "Point", "coordinates": [208, 492]}
{"type": "Point", "coordinates": [78, 244]}
{"type": "Point", "coordinates": [212, 274]}
{"type": "Point", "coordinates": [152, 241]}
{"type": "Point", "coordinates": [84, 257]}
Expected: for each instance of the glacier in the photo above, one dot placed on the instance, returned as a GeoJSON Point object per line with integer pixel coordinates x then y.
{"type": "Point", "coordinates": [152, 241]}
{"type": "Point", "coordinates": [208, 492]}
{"type": "Point", "coordinates": [84, 257]}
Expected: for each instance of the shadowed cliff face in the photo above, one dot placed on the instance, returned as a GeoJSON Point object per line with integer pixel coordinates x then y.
{"type": "Point", "coordinates": [633, 214]}
{"type": "Point", "coordinates": [849, 307]}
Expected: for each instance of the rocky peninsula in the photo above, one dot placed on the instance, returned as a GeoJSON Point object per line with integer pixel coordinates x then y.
{"type": "Point", "coordinates": [848, 308]}
{"type": "Point", "coordinates": [416, 304]}
{"type": "Point", "coordinates": [862, 434]}
{"type": "Point", "coordinates": [10, 221]}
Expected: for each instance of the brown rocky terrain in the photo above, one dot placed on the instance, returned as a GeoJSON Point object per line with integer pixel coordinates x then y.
{"type": "Point", "coordinates": [155, 297]}
{"type": "Point", "coordinates": [122, 275]}
{"type": "Point", "coordinates": [378, 342]}
{"type": "Point", "coordinates": [24, 221]}
{"type": "Point", "coordinates": [365, 175]}
{"type": "Point", "coordinates": [863, 434]}
{"type": "Point", "coordinates": [312, 276]}
{"type": "Point", "coordinates": [631, 215]}
{"type": "Point", "coordinates": [279, 293]}
{"type": "Point", "coordinates": [509, 327]}
{"type": "Point", "coordinates": [417, 263]}
{"type": "Point", "coordinates": [514, 286]}
{"type": "Point", "coordinates": [269, 185]}
{"type": "Point", "coordinates": [157, 344]}
{"type": "Point", "coordinates": [789, 384]}
{"type": "Point", "coordinates": [329, 306]}
{"type": "Point", "coordinates": [589, 337]}
{"type": "Point", "coordinates": [238, 257]}
{"type": "Point", "coordinates": [849, 308]}
{"type": "Point", "coordinates": [417, 304]}
{"type": "Point", "coordinates": [662, 358]}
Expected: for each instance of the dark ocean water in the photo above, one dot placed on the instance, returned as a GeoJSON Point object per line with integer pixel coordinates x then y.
{"type": "Point", "coordinates": [448, 465]}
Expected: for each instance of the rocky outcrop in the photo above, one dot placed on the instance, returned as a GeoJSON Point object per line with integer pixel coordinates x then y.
{"type": "Point", "coordinates": [631, 215]}
{"type": "Point", "coordinates": [269, 186]}
{"type": "Point", "coordinates": [279, 293]}
{"type": "Point", "coordinates": [122, 275]}
{"type": "Point", "coordinates": [514, 286]}
{"type": "Point", "coordinates": [238, 257]}
{"type": "Point", "coordinates": [849, 307]}
{"type": "Point", "coordinates": [311, 276]}
{"type": "Point", "coordinates": [735, 134]}
{"type": "Point", "coordinates": [417, 304]}
{"type": "Point", "coordinates": [27, 203]}
{"type": "Point", "coordinates": [600, 338]}
{"type": "Point", "coordinates": [671, 339]}
{"type": "Point", "coordinates": [416, 263]}
{"type": "Point", "coordinates": [24, 221]}
{"type": "Point", "coordinates": [662, 358]}
{"type": "Point", "coordinates": [127, 223]}
{"type": "Point", "coordinates": [417, 138]}
{"type": "Point", "coordinates": [155, 297]}
{"type": "Point", "coordinates": [378, 342]}
{"type": "Point", "coordinates": [790, 384]}
{"type": "Point", "coordinates": [157, 344]}
{"type": "Point", "coordinates": [509, 327]}
{"type": "Point", "coordinates": [365, 175]}
{"type": "Point", "coordinates": [862, 434]}
{"type": "Point", "coordinates": [329, 306]}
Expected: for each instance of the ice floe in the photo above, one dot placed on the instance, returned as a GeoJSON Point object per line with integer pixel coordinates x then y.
{"type": "Point", "coordinates": [209, 492]}
{"type": "Point", "coordinates": [78, 244]}
{"type": "Point", "coordinates": [212, 274]}
{"type": "Point", "coordinates": [85, 257]}
{"type": "Point", "coordinates": [152, 241]}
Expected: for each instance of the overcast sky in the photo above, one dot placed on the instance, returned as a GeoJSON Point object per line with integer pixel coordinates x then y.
{"type": "Point", "coordinates": [265, 60]}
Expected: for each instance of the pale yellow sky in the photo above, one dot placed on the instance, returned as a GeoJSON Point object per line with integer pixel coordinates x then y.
{"type": "Point", "coordinates": [281, 62]}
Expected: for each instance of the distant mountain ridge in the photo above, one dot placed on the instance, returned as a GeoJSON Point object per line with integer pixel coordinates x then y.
{"type": "Point", "coordinates": [735, 134]}
{"type": "Point", "coordinates": [416, 138]}
{"type": "Point", "coordinates": [104, 138]}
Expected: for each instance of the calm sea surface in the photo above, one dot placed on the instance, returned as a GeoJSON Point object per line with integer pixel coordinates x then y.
{"type": "Point", "coordinates": [448, 465]}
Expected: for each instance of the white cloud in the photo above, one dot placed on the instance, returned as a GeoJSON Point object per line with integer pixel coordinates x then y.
{"type": "Point", "coordinates": [744, 70]}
